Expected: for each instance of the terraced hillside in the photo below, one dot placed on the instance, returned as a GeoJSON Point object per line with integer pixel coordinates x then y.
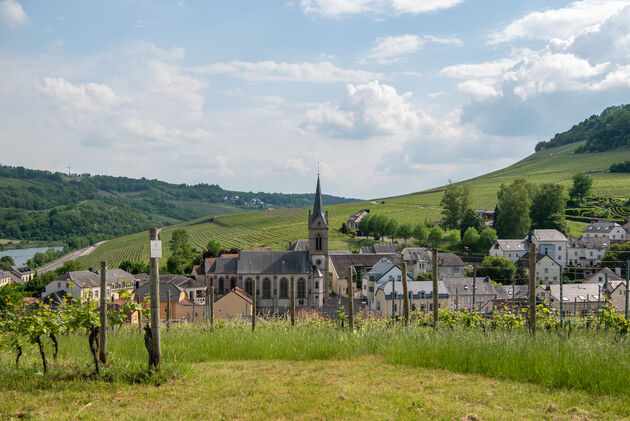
{"type": "Point", "coordinates": [278, 228]}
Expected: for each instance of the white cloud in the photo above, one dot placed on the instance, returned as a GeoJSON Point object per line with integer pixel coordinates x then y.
{"type": "Point", "coordinates": [295, 72]}
{"type": "Point", "coordinates": [12, 14]}
{"type": "Point", "coordinates": [559, 23]}
{"type": "Point", "coordinates": [390, 49]}
{"type": "Point", "coordinates": [444, 40]}
{"type": "Point", "coordinates": [155, 131]}
{"type": "Point", "coordinates": [337, 8]}
{"type": "Point", "coordinates": [479, 89]}
{"type": "Point", "coordinates": [89, 96]}
{"type": "Point", "coordinates": [487, 69]}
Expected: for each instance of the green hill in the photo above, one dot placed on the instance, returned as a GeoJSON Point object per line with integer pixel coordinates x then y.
{"type": "Point", "coordinates": [278, 228]}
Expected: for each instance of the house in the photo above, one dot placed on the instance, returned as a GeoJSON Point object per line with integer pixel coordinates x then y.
{"type": "Point", "coordinates": [383, 271]}
{"type": "Point", "coordinates": [510, 249]}
{"type": "Point", "coordinates": [420, 260]}
{"type": "Point", "coordinates": [605, 229]}
{"type": "Point", "coordinates": [87, 284]}
{"type": "Point", "coordinates": [7, 277]}
{"type": "Point", "coordinates": [460, 291]}
{"type": "Point", "coordinates": [587, 251]}
{"type": "Point", "coordinates": [388, 299]}
{"type": "Point", "coordinates": [194, 288]}
{"type": "Point", "coordinates": [173, 296]}
{"type": "Point", "coordinates": [577, 299]}
{"type": "Point", "coordinates": [450, 265]}
{"type": "Point", "coordinates": [616, 295]}
{"type": "Point", "coordinates": [355, 218]}
{"type": "Point", "coordinates": [513, 298]}
{"type": "Point", "coordinates": [603, 276]}
{"type": "Point", "coordinates": [547, 269]}
{"type": "Point", "coordinates": [550, 242]}
{"type": "Point", "coordinates": [23, 272]}
{"type": "Point", "coordinates": [485, 215]}
{"type": "Point", "coordinates": [626, 226]}
{"type": "Point", "coordinates": [378, 248]}
{"type": "Point", "coordinates": [233, 304]}
{"type": "Point", "coordinates": [340, 262]}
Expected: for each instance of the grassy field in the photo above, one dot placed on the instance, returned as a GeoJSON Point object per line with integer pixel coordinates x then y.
{"type": "Point", "coordinates": [278, 228]}
{"type": "Point", "coordinates": [314, 372]}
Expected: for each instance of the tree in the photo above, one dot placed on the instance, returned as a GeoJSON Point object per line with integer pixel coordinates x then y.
{"type": "Point", "coordinates": [470, 219]}
{"type": "Point", "coordinates": [6, 262]}
{"type": "Point", "coordinates": [11, 296]}
{"type": "Point", "coordinates": [214, 248]}
{"type": "Point", "coordinates": [377, 225]}
{"type": "Point", "coordinates": [514, 203]}
{"type": "Point", "coordinates": [451, 207]}
{"type": "Point", "coordinates": [182, 254]}
{"type": "Point", "coordinates": [435, 235]}
{"type": "Point", "coordinates": [344, 228]}
{"type": "Point", "coordinates": [616, 256]}
{"type": "Point", "coordinates": [364, 225]}
{"type": "Point", "coordinates": [486, 239]}
{"type": "Point", "coordinates": [471, 237]}
{"type": "Point", "coordinates": [582, 184]}
{"type": "Point", "coordinates": [404, 231]}
{"type": "Point", "coordinates": [420, 233]}
{"type": "Point", "coordinates": [391, 228]}
{"type": "Point", "coordinates": [547, 209]}
{"type": "Point", "coordinates": [453, 238]}
{"type": "Point", "coordinates": [499, 269]}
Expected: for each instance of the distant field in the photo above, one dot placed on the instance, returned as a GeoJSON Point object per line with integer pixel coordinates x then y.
{"type": "Point", "coordinates": [277, 228]}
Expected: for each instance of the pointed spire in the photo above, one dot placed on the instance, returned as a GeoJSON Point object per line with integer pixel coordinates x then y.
{"type": "Point", "coordinates": [318, 206]}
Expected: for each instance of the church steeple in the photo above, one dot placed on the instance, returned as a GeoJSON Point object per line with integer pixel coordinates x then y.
{"type": "Point", "coordinates": [318, 206]}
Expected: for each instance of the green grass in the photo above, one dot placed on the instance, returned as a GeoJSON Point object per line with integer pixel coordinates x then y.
{"type": "Point", "coordinates": [278, 228]}
{"type": "Point", "coordinates": [318, 371]}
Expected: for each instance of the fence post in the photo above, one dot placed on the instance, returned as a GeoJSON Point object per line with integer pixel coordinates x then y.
{"type": "Point", "coordinates": [532, 288]}
{"type": "Point", "coordinates": [474, 288]}
{"type": "Point", "coordinates": [102, 350]}
{"type": "Point", "coordinates": [406, 293]}
{"type": "Point", "coordinates": [350, 300]}
{"type": "Point", "coordinates": [561, 300]}
{"type": "Point", "coordinates": [254, 304]}
{"type": "Point", "coordinates": [292, 301]}
{"type": "Point", "coordinates": [168, 310]}
{"type": "Point", "coordinates": [627, 287]}
{"type": "Point", "coordinates": [435, 289]}
{"type": "Point", "coordinates": [154, 277]}
{"type": "Point", "coordinates": [139, 315]}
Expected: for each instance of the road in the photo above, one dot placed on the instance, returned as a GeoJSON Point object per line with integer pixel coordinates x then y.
{"type": "Point", "coordinates": [70, 256]}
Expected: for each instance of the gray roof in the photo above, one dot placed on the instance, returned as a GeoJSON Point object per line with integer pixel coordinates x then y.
{"type": "Point", "coordinates": [449, 259]}
{"type": "Point", "coordinates": [573, 292]}
{"type": "Point", "coordinates": [598, 243]}
{"type": "Point", "coordinates": [86, 278]}
{"type": "Point", "coordinates": [21, 270]}
{"type": "Point", "coordinates": [509, 245]}
{"type": "Point", "coordinates": [299, 245]}
{"type": "Point", "coordinates": [356, 217]}
{"type": "Point", "coordinates": [318, 206]}
{"type": "Point", "coordinates": [605, 273]}
{"type": "Point", "coordinates": [274, 262]}
{"type": "Point", "coordinates": [341, 262]}
{"type": "Point", "coordinates": [415, 288]}
{"type": "Point", "coordinates": [224, 265]}
{"type": "Point", "coordinates": [549, 235]}
{"type": "Point", "coordinates": [185, 282]}
{"type": "Point", "coordinates": [601, 226]}
{"type": "Point", "coordinates": [464, 286]}
{"type": "Point", "coordinates": [417, 253]}
{"type": "Point", "coordinates": [166, 285]}
{"type": "Point", "coordinates": [8, 274]}
{"type": "Point", "coordinates": [524, 260]}
{"type": "Point", "coordinates": [511, 291]}
{"type": "Point", "coordinates": [381, 267]}
{"type": "Point", "coordinates": [378, 248]}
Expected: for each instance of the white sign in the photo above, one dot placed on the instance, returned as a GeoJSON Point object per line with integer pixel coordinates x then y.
{"type": "Point", "coordinates": [156, 249]}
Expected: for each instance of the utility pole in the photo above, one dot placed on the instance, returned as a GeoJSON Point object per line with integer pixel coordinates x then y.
{"type": "Point", "coordinates": [210, 298]}
{"type": "Point", "coordinates": [102, 350]}
{"type": "Point", "coordinates": [532, 288]}
{"type": "Point", "coordinates": [406, 295]}
{"type": "Point", "coordinates": [435, 289]}
{"type": "Point", "coordinates": [350, 300]}
{"type": "Point", "coordinates": [154, 278]}
{"type": "Point", "coordinates": [474, 291]}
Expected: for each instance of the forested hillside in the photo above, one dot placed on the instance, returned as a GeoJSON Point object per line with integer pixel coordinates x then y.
{"type": "Point", "coordinates": [81, 209]}
{"type": "Point", "coordinates": [609, 130]}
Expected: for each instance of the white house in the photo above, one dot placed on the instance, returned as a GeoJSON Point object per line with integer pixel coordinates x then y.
{"type": "Point", "coordinates": [86, 284]}
{"type": "Point", "coordinates": [418, 259]}
{"type": "Point", "coordinates": [510, 249]}
{"type": "Point", "coordinates": [548, 271]}
{"type": "Point", "coordinates": [605, 229]}
{"type": "Point", "coordinates": [551, 242]}
{"type": "Point", "coordinates": [389, 296]}
{"type": "Point", "coordinates": [382, 272]}
{"type": "Point", "coordinates": [587, 251]}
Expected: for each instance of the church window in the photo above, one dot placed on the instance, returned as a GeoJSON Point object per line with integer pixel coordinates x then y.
{"type": "Point", "coordinates": [248, 287]}
{"type": "Point", "coordinates": [316, 285]}
{"type": "Point", "coordinates": [266, 290]}
{"type": "Point", "coordinates": [301, 288]}
{"type": "Point", "coordinates": [232, 283]}
{"type": "Point", "coordinates": [318, 242]}
{"type": "Point", "coordinates": [221, 285]}
{"type": "Point", "coordinates": [284, 288]}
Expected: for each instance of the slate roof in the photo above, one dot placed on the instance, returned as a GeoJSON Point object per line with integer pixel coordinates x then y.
{"type": "Point", "coordinates": [165, 285]}
{"type": "Point", "coordinates": [449, 259]}
{"type": "Point", "coordinates": [415, 288]}
{"type": "Point", "coordinates": [89, 279]}
{"type": "Point", "coordinates": [15, 279]}
{"type": "Point", "coordinates": [524, 260]}
{"type": "Point", "coordinates": [505, 291]}
{"type": "Point", "coordinates": [600, 227]}
{"type": "Point", "coordinates": [21, 270]}
{"type": "Point", "coordinates": [548, 235]}
{"type": "Point", "coordinates": [598, 243]}
{"type": "Point", "coordinates": [356, 217]}
{"type": "Point", "coordinates": [464, 286]}
{"type": "Point", "coordinates": [274, 262]}
{"type": "Point", "coordinates": [510, 245]}
{"type": "Point", "coordinates": [299, 245]}
{"type": "Point", "coordinates": [341, 262]}
{"type": "Point", "coordinates": [612, 276]}
{"type": "Point", "coordinates": [571, 292]}
{"type": "Point", "coordinates": [224, 265]}
{"type": "Point", "coordinates": [378, 248]}
{"type": "Point", "coordinates": [417, 253]}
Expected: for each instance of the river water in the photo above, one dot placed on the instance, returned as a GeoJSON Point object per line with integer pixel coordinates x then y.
{"type": "Point", "coordinates": [20, 256]}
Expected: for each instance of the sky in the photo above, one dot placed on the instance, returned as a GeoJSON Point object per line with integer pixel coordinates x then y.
{"type": "Point", "coordinates": [385, 97]}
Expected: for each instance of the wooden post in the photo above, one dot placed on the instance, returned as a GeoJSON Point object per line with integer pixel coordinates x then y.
{"type": "Point", "coordinates": [254, 304]}
{"type": "Point", "coordinates": [436, 304]}
{"type": "Point", "coordinates": [561, 300]}
{"type": "Point", "coordinates": [351, 300]}
{"type": "Point", "coordinates": [532, 288]}
{"type": "Point", "coordinates": [102, 349]}
{"type": "Point", "coordinates": [627, 287]}
{"type": "Point", "coordinates": [168, 310]}
{"type": "Point", "coordinates": [474, 288]}
{"type": "Point", "coordinates": [211, 307]}
{"type": "Point", "coordinates": [456, 299]}
{"type": "Point", "coordinates": [154, 278]}
{"type": "Point", "coordinates": [406, 293]}
{"type": "Point", "coordinates": [194, 311]}
{"type": "Point", "coordinates": [139, 315]}
{"type": "Point", "coordinates": [292, 301]}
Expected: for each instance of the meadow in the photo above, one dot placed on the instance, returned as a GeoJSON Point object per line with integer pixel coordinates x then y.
{"type": "Point", "coordinates": [278, 228]}
{"type": "Point", "coordinates": [316, 370]}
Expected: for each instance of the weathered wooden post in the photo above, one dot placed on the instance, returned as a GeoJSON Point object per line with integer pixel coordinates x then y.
{"type": "Point", "coordinates": [168, 310]}
{"type": "Point", "coordinates": [456, 299]}
{"type": "Point", "coordinates": [292, 301]}
{"type": "Point", "coordinates": [350, 300]}
{"type": "Point", "coordinates": [102, 350]}
{"type": "Point", "coordinates": [211, 307]}
{"type": "Point", "coordinates": [193, 313]}
{"type": "Point", "coordinates": [561, 300]}
{"type": "Point", "coordinates": [154, 278]}
{"type": "Point", "coordinates": [474, 288]}
{"type": "Point", "coordinates": [406, 293]}
{"type": "Point", "coordinates": [254, 304]}
{"type": "Point", "coordinates": [436, 303]}
{"type": "Point", "coordinates": [627, 287]}
{"type": "Point", "coordinates": [532, 288]}
{"type": "Point", "coordinates": [139, 314]}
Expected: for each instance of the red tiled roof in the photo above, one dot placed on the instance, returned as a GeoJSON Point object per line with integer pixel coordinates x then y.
{"type": "Point", "coordinates": [244, 295]}
{"type": "Point", "coordinates": [229, 255]}
{"type": "Point", "coordinates": [30, 300]}
{"type": "Point", "coordinates": [260, 249]}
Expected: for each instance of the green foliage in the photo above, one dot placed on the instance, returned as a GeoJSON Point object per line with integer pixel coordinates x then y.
{"type": "Point", "coordinates": [435, 235]}
{"type": "Point", "coordinates": [616, 256]}
{"type": "Point", "coordinates": [486, 239]}
{"type": "Point", "coordinates": [405, 231]}
{"type": "Point", "coordinates": [6, 262]}
{"type": "Point", "coordinates": [470, 219]}
{"type": "Point", "coordinates": [498, 268]}
{"type": "Point", "coordinates": [391, 228]}
{"type": "Point", "coordinates": [514, 203]}
{"type": "Point", "coordinates": [40, 259]}
{"type": "Point", "coordinates": [453, 238]}
{"type": "Point", "coordinates": [455, 202]}
{"type": "Point", "coordinates": [471, 237]}
{"type": "Point", "coordinates": [182, 254]}
{"type": "Point", "coordinates": [134, 267]}
{"type": "Point", "coordinates": [582, 185]}
{"type": "Point", "coordinates": [11, 295]}
{"type": "Point", "coordinates": [344, 228]}
{"type": "Point", "coordinates": [547, 209]}
{"type": "Point", "coordinates": [420, 233]}
{"type": "Point", "coordinates": [425, 276]}
{"type": "Point", "coordinates": [621, 167]}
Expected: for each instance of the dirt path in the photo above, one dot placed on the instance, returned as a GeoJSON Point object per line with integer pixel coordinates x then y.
{"type": "Point", "coordinates": [70, 256]}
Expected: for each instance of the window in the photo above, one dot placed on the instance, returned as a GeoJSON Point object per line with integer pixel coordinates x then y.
{"type": "Point", "coordinates": [546, 270]}
{"type": "Point", "coordinates": [301, 288]}
{"type": "Point", "coordinates": [316, 284]}
{"type": "Point", "coordinates": [559, 248]}
{"type": "Point", "coordinates": [266, 289]}
{"type": "Point", "coordinates": [378, 306]}
{"type": "Point", "coordinates": [371, 289]}
{"type": "Point", "coordinates": [232, 283]}
{"type": "Point", "coordinates": [221, 285]}
{"type": "Point", "coordinates": [249, 287]}
{"type": "Point", "coordinates": [284, 288]}
{"type": "Point", "coordinates": [318, 242]}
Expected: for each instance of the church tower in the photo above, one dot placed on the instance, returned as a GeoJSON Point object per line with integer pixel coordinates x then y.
{"type": "Point", "coordinates": [318, 243]}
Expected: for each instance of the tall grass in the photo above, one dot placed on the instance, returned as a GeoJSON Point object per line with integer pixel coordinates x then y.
{"type": "Point", "coordinates": [594, 361]}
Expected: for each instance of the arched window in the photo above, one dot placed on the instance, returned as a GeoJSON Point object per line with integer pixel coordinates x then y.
{"type": "Point", "coordinates": [232, 283]}
{"type": "Point", "coordinates": [284, 288]}
{"type": "Point", "coordinates": [318, 242]}
{"type": "Point", "coordinates": [221, 285]}
{"type": "Point", "coordinates": [249, 286]}
{"type": "Point", "coordinates": [301, 288]}
{"type": "Point", "coordinates": [266, 290]}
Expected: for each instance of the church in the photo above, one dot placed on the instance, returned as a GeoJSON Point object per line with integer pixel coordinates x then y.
{"type": "Point", "coordinates": [305, 263]}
